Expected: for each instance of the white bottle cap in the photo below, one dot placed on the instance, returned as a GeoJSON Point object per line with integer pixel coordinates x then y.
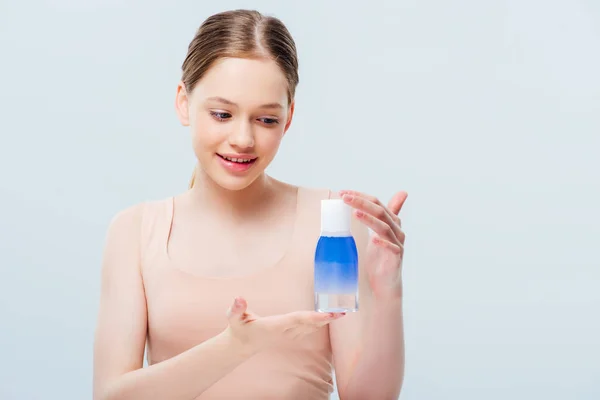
{"type": "Point", "coordinates": [336, 216]}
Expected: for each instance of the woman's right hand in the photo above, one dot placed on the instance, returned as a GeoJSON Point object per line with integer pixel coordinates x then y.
{"type": "Point", "coordinates": [255, 333]}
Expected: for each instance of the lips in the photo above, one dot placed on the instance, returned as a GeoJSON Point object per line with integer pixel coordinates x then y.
{"type": "Point", "coordinates": [237, 164]}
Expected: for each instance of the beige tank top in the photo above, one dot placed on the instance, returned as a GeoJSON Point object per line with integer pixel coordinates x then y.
{"type": "Point", "coordinates": [185, 309]}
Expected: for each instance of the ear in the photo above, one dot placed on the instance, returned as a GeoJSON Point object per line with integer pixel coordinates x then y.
{"type": "Point", "coordinates": [182, 105]}
{"type": "Point", "coordinates": [290, 117]}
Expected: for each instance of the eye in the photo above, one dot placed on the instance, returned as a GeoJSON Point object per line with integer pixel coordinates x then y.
{"type": "Point", "coordinates": [269, 121]}
{"type": "Point", "coordinates": [220, 116]}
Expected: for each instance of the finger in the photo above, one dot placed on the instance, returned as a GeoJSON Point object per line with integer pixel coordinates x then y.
{"type": "Point", "coordinates": [381, 228]}
{"type": "Point", "coordinates": [372, 199]}
{"type": "Point", "coordinates": [401, 237]}
{"type": "Point", "coordinates": [386, 244]}
{"type": "Point", "coordinates": [366, 205]}
{"type": "Point", "coordinates": [389, 227]}
{"type": "Point", "coordinates": [316, 316]}
{"type": "Point", "coordinates": [396, 202]}
{"type": "Point", "coordinates": [313, 317]}
{"type": "Point", "coordinates": [373, 206]}
{"type": "Point", "coordinates": [328, 317]}
{"type": "Point", "coordinates": [394, 206]}
{"type": "Point", "coordinates": [238, 309]}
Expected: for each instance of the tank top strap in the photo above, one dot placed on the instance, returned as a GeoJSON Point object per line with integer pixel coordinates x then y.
{"type": "Point", "coordinates": [157, 220]}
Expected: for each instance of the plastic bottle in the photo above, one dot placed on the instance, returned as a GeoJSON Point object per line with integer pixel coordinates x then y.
{"type": "Point", "coordinates": [336, 260]}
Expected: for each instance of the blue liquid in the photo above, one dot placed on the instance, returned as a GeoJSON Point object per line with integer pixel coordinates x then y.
{"type": "Point", "coordinates": [336, 274]}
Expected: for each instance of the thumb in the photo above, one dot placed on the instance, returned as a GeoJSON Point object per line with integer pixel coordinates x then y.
{"type": "Point", "coordinates": [237, 309]}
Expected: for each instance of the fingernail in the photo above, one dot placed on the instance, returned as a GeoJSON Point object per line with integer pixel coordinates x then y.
{"type": "Point", "coordinates": [348, 197]}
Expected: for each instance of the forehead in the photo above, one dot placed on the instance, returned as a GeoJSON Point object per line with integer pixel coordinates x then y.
{"type": "Point", "coordinates": [244, 81]}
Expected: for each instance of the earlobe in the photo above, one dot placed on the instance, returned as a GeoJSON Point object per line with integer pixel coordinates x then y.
{"type": "Point", "coordinates": [182, 105]}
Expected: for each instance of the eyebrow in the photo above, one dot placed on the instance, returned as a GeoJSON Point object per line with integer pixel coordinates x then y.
{"type": "Point", "coordinates": [231, 103]}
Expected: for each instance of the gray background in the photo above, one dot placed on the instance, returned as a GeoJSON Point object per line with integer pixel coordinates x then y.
{"type": "Point", "coordinates": [486, 112]}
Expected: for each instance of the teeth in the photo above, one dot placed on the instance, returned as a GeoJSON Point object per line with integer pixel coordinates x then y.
{"type": "Point", "coordinates": [237, 160]}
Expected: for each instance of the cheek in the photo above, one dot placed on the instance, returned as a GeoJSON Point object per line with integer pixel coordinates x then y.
{"type": "Point", "coordinates": [206, 134]}
{"type": "Point", "coordinates": [270, 140]}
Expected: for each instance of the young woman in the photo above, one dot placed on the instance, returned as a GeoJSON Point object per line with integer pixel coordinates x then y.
{"type": "Point", "coordinates": [218, 281]}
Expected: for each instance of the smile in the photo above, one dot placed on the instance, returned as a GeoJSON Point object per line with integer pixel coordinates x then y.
{"type": "Point", "coordinates": [236, 163]}
{"type": "Point", "coordinates": [238, 160]}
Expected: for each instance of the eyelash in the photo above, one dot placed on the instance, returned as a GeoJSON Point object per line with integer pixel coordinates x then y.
{"type": "Point", "coordinates": [222, 117]}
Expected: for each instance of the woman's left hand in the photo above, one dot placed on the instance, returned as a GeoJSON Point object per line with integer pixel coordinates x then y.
{"type": "Point", "coordinates": [385, 251]}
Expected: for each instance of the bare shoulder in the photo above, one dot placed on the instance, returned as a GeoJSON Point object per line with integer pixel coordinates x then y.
{"type": "Point", "coordinates": [130, 219]}
{"type": "Point", "coordinates": [127, 220]}
{"type": "Point", "coordinates": [123, 238]}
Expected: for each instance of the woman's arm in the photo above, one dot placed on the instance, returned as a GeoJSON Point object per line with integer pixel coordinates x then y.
{"type": "Point", "coordinates": [368, 346]}
{"type": "Point", "coordinates": [371, 365]}
{"type": "Point", "coordinates": [121, 332]}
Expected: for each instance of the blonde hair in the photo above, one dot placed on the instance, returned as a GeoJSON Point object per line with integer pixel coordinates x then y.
{"type": "Point", "coordinates": [192, 179]}
{"type": "Point", "coordinates": [242, 34]}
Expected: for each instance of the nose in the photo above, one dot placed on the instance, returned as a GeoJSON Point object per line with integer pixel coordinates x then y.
{"type": "Point", "coordinates": [242, 137]}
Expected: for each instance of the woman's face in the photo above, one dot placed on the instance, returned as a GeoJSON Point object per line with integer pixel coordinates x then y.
{"type": "Point", "coordinates": [238, 113]}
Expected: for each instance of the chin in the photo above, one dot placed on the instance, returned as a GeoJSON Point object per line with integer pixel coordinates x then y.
{"type": "Point", "coordinates": [234, 183]}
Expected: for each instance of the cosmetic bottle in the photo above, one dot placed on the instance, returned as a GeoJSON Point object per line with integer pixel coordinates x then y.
{"type": "Point", "coordinates": [336, 260]}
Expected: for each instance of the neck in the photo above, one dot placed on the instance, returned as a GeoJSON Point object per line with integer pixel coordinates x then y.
{"type": "Point", "coordinates": [209, 194]}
